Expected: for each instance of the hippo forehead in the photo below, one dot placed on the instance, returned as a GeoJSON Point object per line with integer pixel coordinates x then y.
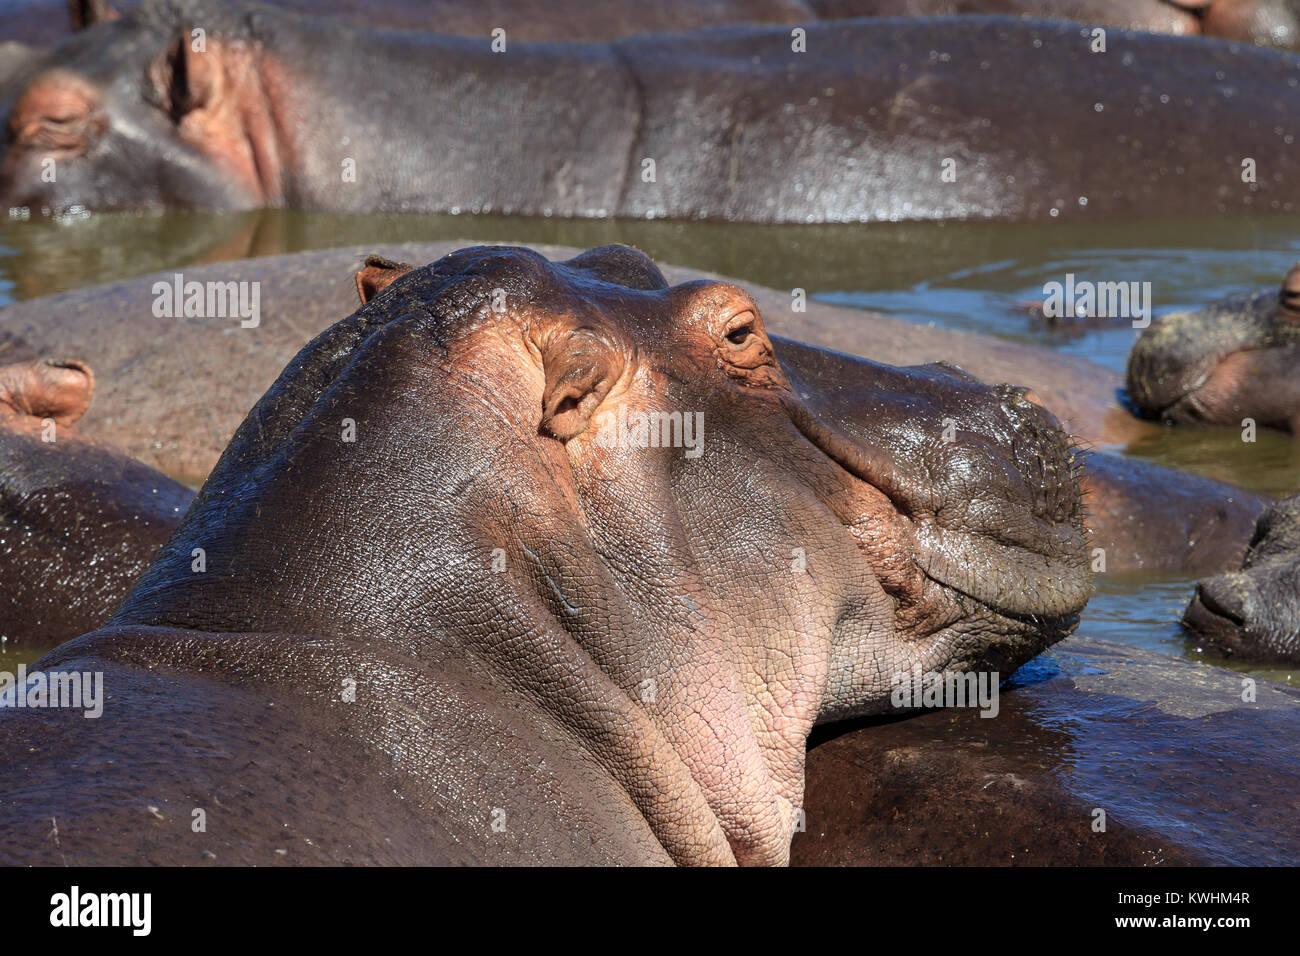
{"type": "Point", "coordinates": [614, 288]}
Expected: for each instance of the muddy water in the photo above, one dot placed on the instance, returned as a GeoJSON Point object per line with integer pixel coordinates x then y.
{"type": "Point", "coordinates": [954, 275]}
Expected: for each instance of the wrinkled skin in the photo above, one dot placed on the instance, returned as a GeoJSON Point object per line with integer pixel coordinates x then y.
{"type": "Point", "coordinates": [1266, 22]}
{"type": "Point", "coordinates": [526, 690]}
{"type": "Point", "coordinates": [1225, 363]}
{"type": "Point", "coordinates": [740, 127]}
{"type": "Point", "coordinates": [78, 521]}
{"type": "Point", "coordinates": [1254, 613]}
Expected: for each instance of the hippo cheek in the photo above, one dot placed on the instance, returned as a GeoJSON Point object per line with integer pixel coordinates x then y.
{"type": "Point", "coordinates": [1257, 385]}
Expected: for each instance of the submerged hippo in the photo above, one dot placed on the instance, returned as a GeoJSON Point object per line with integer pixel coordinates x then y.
{"type": "Point", "coordinates": [1254, 613]}
{"type": "Point", "coordinates": [884, 119]}
{"type": "Point", "coordinates": [443, 580]}
{"type": "Point", "coordinates": [78, 521]}
{"type": "Point", "coordinates": [1221, 365]}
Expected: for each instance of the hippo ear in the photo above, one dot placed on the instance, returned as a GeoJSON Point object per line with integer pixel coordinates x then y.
{"type": "Point", "coordinates": [580, 370]}
{"type": "Point", "coordinates": [186, 79]}
{"type": "Point", "coordinates": [86, 13]}
{"type": "Point", "coordinates": [377, 275]}
{"type": "Point", "coordinates": [48, 388]}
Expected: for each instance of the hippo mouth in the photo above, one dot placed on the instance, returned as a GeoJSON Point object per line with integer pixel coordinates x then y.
{"type": "Point", "coordinates": [1018, 577]}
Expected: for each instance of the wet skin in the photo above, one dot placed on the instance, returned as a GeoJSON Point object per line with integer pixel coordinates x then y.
{"type": "Point", "coordinates": [1149, 738]}
{"type": "Point", "coordinates": [1267, 22]}
{"type": "Point", "coordinates": [739, 126]}
{"type": "Point", "coordinates": [1224, 364]}
{"type": "Point", "coordinates": [1254, 613]}
{"type": "Point", "coordinates": [525, 690]}
{"type": "Point", "coordinates": [78, 520]}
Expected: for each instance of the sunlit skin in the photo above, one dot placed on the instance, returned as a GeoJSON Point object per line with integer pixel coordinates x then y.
{"type": "Point", "coordinates": [661, 633]}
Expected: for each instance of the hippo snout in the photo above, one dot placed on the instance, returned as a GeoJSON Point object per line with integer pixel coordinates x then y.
{"type": "Point", "coordinates": [1254, 613]}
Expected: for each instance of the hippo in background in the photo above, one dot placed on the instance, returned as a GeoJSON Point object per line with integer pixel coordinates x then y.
{"type": "Point", "coordinates": [1220, 365]}
{"type": "Point", "coordinates": [869, 125]}
{"type": "Point", "coordinates": [78, 520]}
{"type": "Point", "coordinates": [1265, 22]}
{"type": "Point", "coordinates": [614, 651]}
{"type": "Point", "coordinates": [1254, 614]}
{"type": "Point", "coordinates": [46, 21]}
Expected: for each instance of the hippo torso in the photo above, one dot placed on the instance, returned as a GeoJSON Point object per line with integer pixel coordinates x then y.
{"type": "Point", "coordinates": [887, 119]}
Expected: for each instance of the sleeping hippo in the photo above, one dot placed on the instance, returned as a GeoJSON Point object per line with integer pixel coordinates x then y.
{"type": "Point", "coordinates": [78, 520]}
{"type": "Point", "coordinates": [879, 120]}
{"type": "Point", "coordinates": [1224, 364]}
{"type": "Point", "coordinates": [1254, 613]}
{"type": "Point", "coordinates": [528, 561]}
{"type": "Point", "coordinates": [1266, 22]}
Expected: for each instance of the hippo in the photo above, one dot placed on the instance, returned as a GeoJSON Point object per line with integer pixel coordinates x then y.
{"type": "Point", "coordinates": [79, 521]}
{"type": "Point", "coordinates": [174, 390]}
{"type": "Point", "coordinates": [44, 21]}
{"type": "Point", "coordinates": [1266, 22]}
{"type": "Point", "coordinates": [1228, 363]}
{"type": "Point", "coordinates": [1148, 739]}
{"type": "Point", "coordinates": [881, 120]}
{"type": "Point", "coordinates": [1253, 614]}
{"type": "Point", "coordinates": [444, 543]}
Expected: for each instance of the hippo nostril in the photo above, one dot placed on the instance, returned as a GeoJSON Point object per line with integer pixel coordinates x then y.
{"type": "Point", "coordinates": [1221, 601]}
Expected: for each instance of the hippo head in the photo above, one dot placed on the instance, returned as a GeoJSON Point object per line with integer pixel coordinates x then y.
{"type": "Point", "coordinates": [1220, 365]}
{"type": "Point", "coordinates": [635, 508]}
{"type": "Point", "coordinates": [1254, 613]}
{"type": "Point", "coordinates": [141, 112]}
{"type": "Point", "coordinates": [78, 521]}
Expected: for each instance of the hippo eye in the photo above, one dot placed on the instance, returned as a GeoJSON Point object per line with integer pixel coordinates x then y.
{"type": "Point", "coordinates": [741, 330]}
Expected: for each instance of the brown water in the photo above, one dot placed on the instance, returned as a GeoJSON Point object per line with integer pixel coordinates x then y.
{"type": "Point", "coordinates": [955, 275]}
